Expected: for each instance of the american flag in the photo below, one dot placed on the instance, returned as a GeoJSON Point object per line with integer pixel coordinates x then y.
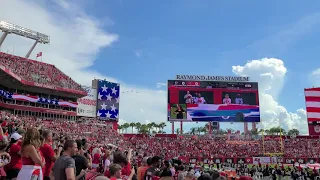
{"type": "Point", "coordinates": [108, 100]}
{"type": "Point", "coordinates": [312, 104]}
{"type": "Point", "coordinates": [6, 94]}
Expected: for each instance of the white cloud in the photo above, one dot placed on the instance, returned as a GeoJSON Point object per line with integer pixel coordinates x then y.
{"type": "Point", "coordinates": [316, 72]}
{"type": "Point", "coordinates": [160, 85]}
{"type": "Point", "coordinates": [315, 77]}
{"type": "Point", "coordinates": [270, 73]}
{"type": "Point", "coordinates": [76, 39]}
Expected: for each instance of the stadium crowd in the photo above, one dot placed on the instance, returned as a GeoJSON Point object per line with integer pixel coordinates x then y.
{"type": "Point", "coordinates": [37, 72]}
{"type": "Point", "coordinates": [34, 148]}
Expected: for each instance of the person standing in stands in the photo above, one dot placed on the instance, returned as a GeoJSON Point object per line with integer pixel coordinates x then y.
{"type": "Point", "coordinates": [239, 99]}
{"type": "Point", "coordinates": [124, 161]}
{"type": "Point", "coordinates": [106, 159]}
{"type": "Point", "coordinates": [4, 156]}
{"type": "Point", "coordinates": [31, 157]}
{"type": "Point", "coordinates": [188, 98]}
{"type": "Point", "coordinates": [48, 153]}
{"type": "Point", "coordinates": [81, 161]}
{"type": "Point", "coordinates": [199, 99]}
{"type": "Point", "coordinates": [226, 99]}
{"type": "Point", "coordinates": [96, 154]}
{"type": "Point", "coordinates": [14, 149]}
{"type": "Point", "coordinates": [154, 170]}
{"type": "Point", "coordinates": [116, 174]}
{"type": "Point", "coordinates": [64, 168]}
{"type": "Point", "coordinates": [145, 164]}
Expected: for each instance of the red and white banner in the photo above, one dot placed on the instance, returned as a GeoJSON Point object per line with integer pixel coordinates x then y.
{"type": "Point", "coordinates": [312, 96]}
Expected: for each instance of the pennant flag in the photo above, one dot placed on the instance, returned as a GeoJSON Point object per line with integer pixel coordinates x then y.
{"type": "Point", "coordinates": [39, 54]}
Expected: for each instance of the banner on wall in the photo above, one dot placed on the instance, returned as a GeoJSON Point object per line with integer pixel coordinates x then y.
{"type": "Point", "coordinates": [87, 105]}
{"type": "Point", "coordinates": [261, 160]}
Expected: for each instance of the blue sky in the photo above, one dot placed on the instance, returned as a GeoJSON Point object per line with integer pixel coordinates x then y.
{"type": "Point", "coordinates": [159, 40]}
{"type": "Point", "coordinates": [141, 43]}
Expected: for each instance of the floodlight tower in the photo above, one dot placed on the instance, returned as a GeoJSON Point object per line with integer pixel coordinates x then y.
{"type": "Point", "coordinates": [8, 28]}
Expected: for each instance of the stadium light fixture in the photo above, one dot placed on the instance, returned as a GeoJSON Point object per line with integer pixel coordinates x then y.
{"type": "Point", "coordinates": [9, 28]}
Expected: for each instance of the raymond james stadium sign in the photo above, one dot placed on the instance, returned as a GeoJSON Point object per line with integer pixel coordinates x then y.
{"type": "Point", "coordinates": [212, 78]}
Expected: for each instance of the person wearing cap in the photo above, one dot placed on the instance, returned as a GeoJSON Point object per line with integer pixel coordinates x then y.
{"type": "Point", "coordinates": [15, 164]}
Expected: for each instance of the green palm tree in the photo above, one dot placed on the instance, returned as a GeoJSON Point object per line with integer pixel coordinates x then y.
{"type": "Point", "coordinates": [126, 126]}
{"type": "Point", "coordinates": [156, 127]}
{"type": "Point", "coordinates": [178, 130]}
{"type": "Point", "coordinates": [162, 125]}
{"type": "Point", "coordinates": [138, 126]}
{"type": "Point", "coordinates": [150, 126]}
{"type": "Point", "coordinates": [153, 125]}
{"type": "Point", "coordinates": [199, 130]}
{"type": "Point", "coordinates": [120, 128]}
{"type": "Point", "coordinates": [144, 129]}
{"type": "Point", "coordinates": [254, 132]}
{"type": "Point", "coordinates": [132, 125]}
{"type": "Point", "coordinates": [292, 132]}
{"type": "Point", "coordinates": [260, 131]}
{"type": "Point", "coordinates": [193, 131]}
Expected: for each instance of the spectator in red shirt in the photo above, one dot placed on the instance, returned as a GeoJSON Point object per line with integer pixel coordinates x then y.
{"type": "Point", "coordinates": [13, 149]}
{"type": "Point", "coordinates": [146, 163]}
{"type": "Point", "coordinates": [48, 153]}
{"type": "Point", "coordinates": [96, 153]}
{"type": "Point", "coordinates": [123, 160]}
{"type": "Point", "coordinates": [116, 172]}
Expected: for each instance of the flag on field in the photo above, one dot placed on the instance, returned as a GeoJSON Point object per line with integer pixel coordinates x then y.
{"type": "Point", "coordinates": [108, 100]}
{"type": "Point", "coordinates": [312, 96]}
{"type": "Point", "coordinates": [39, 54]}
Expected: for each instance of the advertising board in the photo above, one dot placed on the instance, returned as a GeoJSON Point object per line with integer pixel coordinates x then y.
{"type": "Point", "coordinates": [87, 105]}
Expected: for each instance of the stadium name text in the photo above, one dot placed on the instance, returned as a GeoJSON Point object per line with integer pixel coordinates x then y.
{"type": "Point", "coordinates": [212, 78]}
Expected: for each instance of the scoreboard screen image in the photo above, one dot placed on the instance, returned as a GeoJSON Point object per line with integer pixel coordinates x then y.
{"type": "Point", "coordinates": [213, 101]}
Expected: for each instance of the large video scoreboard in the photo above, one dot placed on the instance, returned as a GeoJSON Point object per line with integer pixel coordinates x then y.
{"type": "Point", "coordinates": [218, 101]}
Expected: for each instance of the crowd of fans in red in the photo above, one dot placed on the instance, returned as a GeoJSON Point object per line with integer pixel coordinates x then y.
{"type": "Point", "coordinates": [37, 72]}
{"type": "Point", "coordinates": [100, 134]}
{"type": "Point", "coordinates": [100, 137]}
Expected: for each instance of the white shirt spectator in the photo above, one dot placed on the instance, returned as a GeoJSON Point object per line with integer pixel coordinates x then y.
{"type": "Point", "coordinates": [106, 164]}
{"type": "Point", "coordinates": [188, 98]}
{"type": "Point", "coordinates": [226, 101]}
{"type": "Point", "coordinates": [199, 100]}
